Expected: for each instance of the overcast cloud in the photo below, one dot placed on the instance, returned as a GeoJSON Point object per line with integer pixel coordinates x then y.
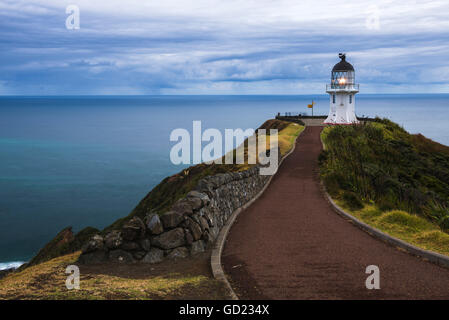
{"type": "Point", "coordinates": [221, 47]}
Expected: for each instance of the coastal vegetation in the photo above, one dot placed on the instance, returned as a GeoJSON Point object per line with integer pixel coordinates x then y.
{"type": "Point", "coordinates": [393, 180]}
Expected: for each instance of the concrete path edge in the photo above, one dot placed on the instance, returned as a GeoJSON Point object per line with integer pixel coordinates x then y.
{"type": "Point", "coordinates": [217, 269]}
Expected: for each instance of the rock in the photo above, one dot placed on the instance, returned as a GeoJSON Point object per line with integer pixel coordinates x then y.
{"type": "Point", "coordinates": [121, 256]}
{"type": "Point", "coordinates": [213, 233]}
{"type": "Point", "coordinates": [5, 272]}
{"type": "Point", "coordinates": [145, 244]}
{"type": "Point", "coordinates": [139, 254]}
{"type": "Point", "coordinates": [94, 257]}
{"type": "Point", "coordinates": [169, 239]}
{"type": "Point", "coordinates": [189, 237]}
{"type": "Point", "coordinates": [130, 246]}
{"type": "Point", "coordinates": [196, 203]}
{"type": "Point", "coordinates": [154, 224]}
{"type": "Point", "coordinates": [210, 235]}
{"type": "Point", "coordinates": [204, 186]}
{"type": "Point", "coordinates": [201, 221]}
{"type": "Point", "coordinates": [154, 256]}
{"type": "Point", "coordinates": [197, 247]}
{"type": "Point", "coordinates": [133, 229]}
{"type": "Point", "coordinates": [94, 244]}
{"type": "Point", "coordinates": [183, 207]}
{"type": "Point", "coordinates": [113, 239]}
{"type": "Point", "coordinates": [171, 219]}
{"type": "Point", "coordinates": [178, 253]}
{"type": "Point", "coordinates": [208, 218]}
{"type": "Point", "coordinates": [194, 228]}
{"type": "Point", "coordinates": [200, 195]}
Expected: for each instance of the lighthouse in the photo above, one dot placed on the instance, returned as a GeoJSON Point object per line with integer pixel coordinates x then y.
{"type": "Point", "coordinates": [342, 90]}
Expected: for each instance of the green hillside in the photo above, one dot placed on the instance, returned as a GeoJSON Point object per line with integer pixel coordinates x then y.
{"type": "Point", "coordinates": [389, 178]}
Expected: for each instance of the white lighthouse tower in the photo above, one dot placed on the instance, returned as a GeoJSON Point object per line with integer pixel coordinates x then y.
{"type": "Point", "coordinates": [342, 90]}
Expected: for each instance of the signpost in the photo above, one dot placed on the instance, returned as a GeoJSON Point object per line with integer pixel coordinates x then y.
{"type": "Point", "coordinates": [310, 106]}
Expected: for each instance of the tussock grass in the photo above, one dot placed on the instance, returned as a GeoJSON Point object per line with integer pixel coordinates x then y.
{"type": "Point", "coordinates": [408, 227]}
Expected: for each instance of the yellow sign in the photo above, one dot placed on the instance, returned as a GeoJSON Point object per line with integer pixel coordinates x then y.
{"type": "Point", "coordinates": [311, 105]}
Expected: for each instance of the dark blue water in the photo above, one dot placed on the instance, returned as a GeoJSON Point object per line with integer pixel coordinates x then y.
{"type": "Point", "coordinates": [86, 161]}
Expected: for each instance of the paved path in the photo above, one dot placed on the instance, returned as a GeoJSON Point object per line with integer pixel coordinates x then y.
{"type": "Point", "coordinates": [290, 244]}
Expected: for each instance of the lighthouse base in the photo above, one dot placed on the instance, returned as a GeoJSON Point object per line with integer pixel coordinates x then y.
{"type": "Point", "coordinates": [342, 109]}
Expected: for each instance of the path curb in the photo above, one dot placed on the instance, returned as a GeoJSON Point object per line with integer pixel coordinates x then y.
{"type": "Point", "coordinates": [215, 259]}
{"type": "Point", "coordinates": [431, 256]}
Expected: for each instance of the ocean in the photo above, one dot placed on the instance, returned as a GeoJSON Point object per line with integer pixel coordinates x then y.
{"type": "Point", "coordinates": [86, 161]}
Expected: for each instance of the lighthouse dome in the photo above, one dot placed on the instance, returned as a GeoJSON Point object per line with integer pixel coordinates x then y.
{"type": "Point", "coordinates": [343, 65]}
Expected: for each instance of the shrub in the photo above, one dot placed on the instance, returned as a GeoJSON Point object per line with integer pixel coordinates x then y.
{"type": "Point", "coordinates": [352, 200]}
{"type": "Point", "coordinates": [383, 163]}
{"type": "Point", "coordinates": [407, 220]}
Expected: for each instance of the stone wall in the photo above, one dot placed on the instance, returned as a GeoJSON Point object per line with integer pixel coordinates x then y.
{"type": "Point", "coordinates": [190, 227]}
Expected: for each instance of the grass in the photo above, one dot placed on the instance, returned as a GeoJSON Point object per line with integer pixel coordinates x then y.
{"type": "Point", "coordinates": [189, 279]}
{"type": "Point", "coordinates": [287, 137]}
{"type": "Point", "coordinates": [408, 227]}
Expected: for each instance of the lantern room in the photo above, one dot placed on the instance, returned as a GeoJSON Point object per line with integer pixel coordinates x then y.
{"type": "Point", "coordinates": [343, 74]}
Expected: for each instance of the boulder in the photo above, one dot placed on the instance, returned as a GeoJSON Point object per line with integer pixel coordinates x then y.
{"type": "Point", "coordinates": [200, 195]}
{"type": "Point", "coordinates": [155, 255]}
{"type": "Point", "coordinates": [169, 239]}
{"type": "Point", "coordinates": [145, 244]}
{"type": "Point", "coordinates": [139, 254]}
{"type": "Point", "coordinates": [196, 203]}
{"type": "Point", "coordinates": [201, 221]}
{"type": "Point", "coordinates": [210, 235]}
{"type": "Point", "coordinates": [130, 246]}
{"type": "Point", "coordinates": [94, 244]}
{"type": "Point", "coordinates": [204, 186]}
{"type": "Point", "coordinates": [194, 228]}
{"type": "Point", "coordinates": [113, 240]}
{"type": "Point", "coordinates": [197, 247]}
{"type": "Point", "coordinates": [121, 256]}
{"type": "Point", "coordinates": [189, 237]}
{"type": "Point", "coordinates": [94, 257]}
{"type": "Point", "coordinates": [153, 224]}
{"type": "Point", "coordinates": [133, 229]}
{"type": "Point", "coordinates": [207, 215]}
{"type": "Point", "coordinates": [178, 253]}
{"type": "Point", "coordinates": [171, 219]}
{"type": "Point", "coordinates": [183, 207]}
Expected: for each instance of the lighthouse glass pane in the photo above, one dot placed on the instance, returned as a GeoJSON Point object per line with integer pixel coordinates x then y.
{"type": "Point", "coordinates": [341, 79]}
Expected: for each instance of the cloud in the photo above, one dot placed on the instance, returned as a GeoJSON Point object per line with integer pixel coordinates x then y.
{"type": "Point", "coordinates": [221, 47]}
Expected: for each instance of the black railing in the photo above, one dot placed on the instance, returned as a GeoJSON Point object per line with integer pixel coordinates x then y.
{"type": "Point", "coordinates": [348, 86]}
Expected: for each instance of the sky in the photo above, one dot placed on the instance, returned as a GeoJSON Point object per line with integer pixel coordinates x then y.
{"type": "Point", "coordinates": [221, 47]}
